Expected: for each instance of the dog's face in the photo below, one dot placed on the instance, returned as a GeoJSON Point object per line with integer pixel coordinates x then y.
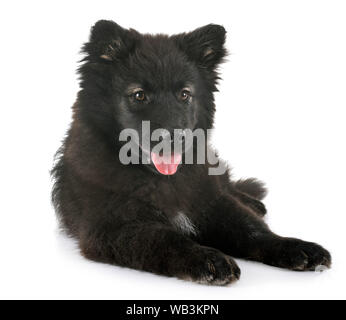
{"type": "Point", "coordinates": [168, 81]}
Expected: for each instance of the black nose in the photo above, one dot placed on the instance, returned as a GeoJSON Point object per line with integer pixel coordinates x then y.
{"type": "Point", "coordinates": [173, 137]}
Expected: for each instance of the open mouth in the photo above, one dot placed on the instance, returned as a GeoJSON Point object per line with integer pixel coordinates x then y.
{"type": "Point", "coordinates": [166, 164]}
{"type": "Point", "coordinates": [163, 158]}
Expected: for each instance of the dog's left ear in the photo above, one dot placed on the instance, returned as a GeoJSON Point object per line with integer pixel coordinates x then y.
{"type": "Point", "coordinates": [205, 45]}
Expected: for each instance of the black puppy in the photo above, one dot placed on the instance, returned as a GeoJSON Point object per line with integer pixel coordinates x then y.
{"type": "Point", "coordinates": [173, 219]}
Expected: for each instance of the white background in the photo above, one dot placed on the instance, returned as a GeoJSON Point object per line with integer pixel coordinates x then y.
{"type": "Point", "coordinates": [280, 117]}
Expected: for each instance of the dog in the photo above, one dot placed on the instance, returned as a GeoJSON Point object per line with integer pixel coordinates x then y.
{"type": "Point", "coordinates": [160, 215]}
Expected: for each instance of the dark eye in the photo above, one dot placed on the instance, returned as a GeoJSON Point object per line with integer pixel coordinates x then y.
{"type": "Point", "coordinates": [139, 95]}
{"type": "Point", "coordinates": [185, 95]}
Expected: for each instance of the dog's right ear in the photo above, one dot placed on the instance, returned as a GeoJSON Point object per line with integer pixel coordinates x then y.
{"type": "Point", "coordinates": [109, 42]}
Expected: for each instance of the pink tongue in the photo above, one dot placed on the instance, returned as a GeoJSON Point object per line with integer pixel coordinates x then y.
{"type": "Point", "coordinates": [167, 165]}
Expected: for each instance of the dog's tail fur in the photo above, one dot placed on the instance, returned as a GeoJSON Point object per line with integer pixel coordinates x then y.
{"type": "Point", "coordinates": [252, 187]}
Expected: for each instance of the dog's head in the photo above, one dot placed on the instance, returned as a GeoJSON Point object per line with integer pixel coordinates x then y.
{"type": "Point", "coordinates": [169, 81]}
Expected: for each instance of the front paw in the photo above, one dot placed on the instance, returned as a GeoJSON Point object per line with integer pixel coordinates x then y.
{"type": "Point", "coordinates": [299, 255]}
{"type": "Point", "coordinates": [210, 266]}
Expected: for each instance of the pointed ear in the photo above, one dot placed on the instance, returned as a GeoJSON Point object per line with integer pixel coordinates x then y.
{"type": "Point", "coordinates": [109, 42]}
{"type": "Point", "coordinates": [205, 45]}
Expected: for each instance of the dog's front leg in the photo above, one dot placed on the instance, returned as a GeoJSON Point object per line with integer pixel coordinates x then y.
{"type": "Point", "coordinates": [236, 230]}
{"type": "Point", "coordinates": [156, 247]}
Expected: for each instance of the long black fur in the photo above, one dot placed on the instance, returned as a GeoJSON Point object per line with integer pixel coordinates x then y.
{"type": "Point", "coordinates": [186, 225]}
